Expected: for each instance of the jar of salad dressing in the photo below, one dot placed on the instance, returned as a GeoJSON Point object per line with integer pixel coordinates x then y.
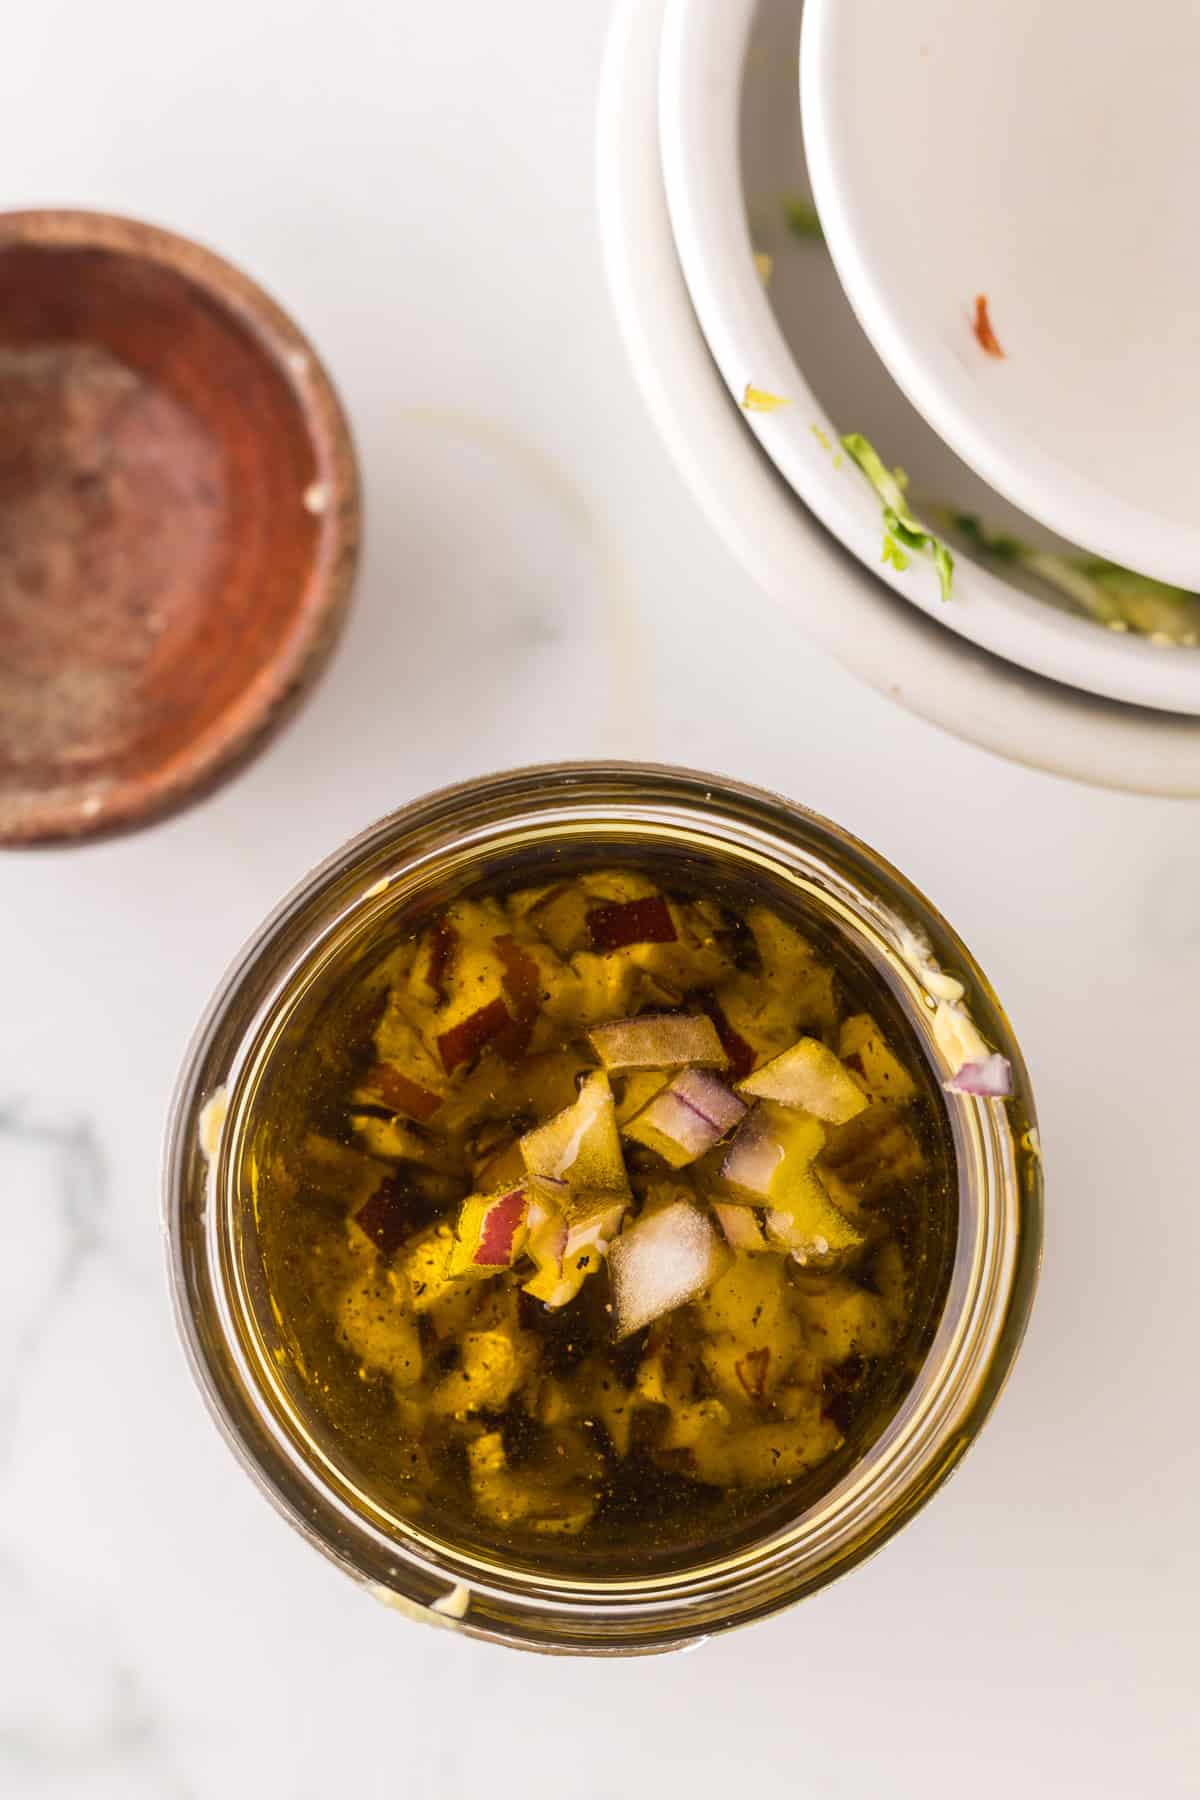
{"type": "Point", "coordinates": [603, 1202]}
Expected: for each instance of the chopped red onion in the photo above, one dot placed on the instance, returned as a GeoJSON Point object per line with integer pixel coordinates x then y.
{"type": "Point", "coordinates": [393, 1212]}
{"type": "Point", "coordinates": [664, 1260]}
{"type": "Point", "coordinates": [547, 1234]}
{"type": "Point", "coordinates": [658, 1041]}
{"type": "Point", "coordinates": [584, 1247]}
{"type": "Point", "coordinates": [741, 1055]}
{"type": "Point", "coordinates": [522, 983]}
{"type": "Point", "coordinates": [754, 1155]}
{"type": "Point", "coordinates": [554, 1187]}
{"type": "Point", "coordinates": [620, 923]}
{"type": "Point", "coordinates": [687, 1117]}
{"type": "Point", "coordinates": [399, 1092]}
{"type": "Point", "coordinates": [810, 1076]}
{"type": "Point", "coordinates": [990, 1077]}
{"type": "Point", "coordinates": [491, 1231]}
{"type": "Point", "coordinates": [464, 1041]}
{"type": "Point", "coordinates": [499, 1229]}
{"type": "Point", "coordinates": [593, 1234]}
{"type": "Point", "coordinates": [804, 1246]}
{"type": "Point", "coordinates": [783, 1229]}
{"type": "Point", "coordinates": [740, 1226]}
{"type": "Point", "coordinates": [443, 949]}
{"type": "Point", "coordinates": [579, 1150]}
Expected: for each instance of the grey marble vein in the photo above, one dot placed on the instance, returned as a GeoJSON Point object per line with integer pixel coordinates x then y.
{"type": "Point", "coordinates": [79, 1188]}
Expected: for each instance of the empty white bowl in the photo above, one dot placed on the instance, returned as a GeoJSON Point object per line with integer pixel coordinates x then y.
{"type": "Point", "coordinates": [1047, 157]}
{"type": "Point", "coordinates": [776, 540]}
{"type": "Point", "coordinates": [731, 150]}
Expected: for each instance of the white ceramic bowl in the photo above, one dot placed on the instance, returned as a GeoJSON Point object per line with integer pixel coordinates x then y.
{"type": "Point", "coordinates": [1048, 157]}
{"type": "Point", "coordinates": [855, 618]}
{"type": "Point", "coordinates": [731, 151]}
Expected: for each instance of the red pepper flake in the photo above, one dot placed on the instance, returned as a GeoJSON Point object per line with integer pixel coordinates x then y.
{"type": "Point", "coordinates": [395, 1210]}
{"type": "Point", "coordinates": [631, 922]}
{"type": "Point", "coordinates": [463, 1042]}
{"type": "Point", "coordinates": [396, 1090]}
{"type": "Point", "coordinates": [500, 1227]}
{"type": "Point", "coordinates": [751, 1371]}
{"type": "Point", "coordinates": [522, 982]}
{"type": "Point", "coordinates": [983, 328]}
{"type": "Point", "coordinates": [741, 1056]}
{"type": "Point", "coordinates": [443, 948]}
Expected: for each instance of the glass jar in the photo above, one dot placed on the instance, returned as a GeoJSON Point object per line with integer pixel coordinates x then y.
{"type": "Point", "coordinates": [482, 832]}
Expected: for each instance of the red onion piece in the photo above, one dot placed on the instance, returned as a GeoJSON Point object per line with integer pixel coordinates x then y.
{"type": "Point", "coordinates": [740, 1053]}
{"type": "Point", "coordinates": [394, 1211]}
{"type": "Point", "coordinates": [616, 926]}
{"type": "Point", "coordinates": [584, 1247]}
{"type": "Point", "coordinates": [784, 1229]}
{"type": "Point", "coordinates": [399, 1092]}
{"type": "Point", "coordinates": [464, 1041]}
{"type": "Point", "coordinates": [499, 1228]}
{"type": "Point", "coordinates": [772, 1161]}
{"type": "Point", "coordinates": [547, 1234]}
{"type": "Point", "coordinates": [687, 1117]}
{"type": "Point", "coordinates": [754, 1156]}
{"type": "Point", "coordinates": [989, 1077]}
{"type": "Point", "coordinates": [664, 1260]}
{"type": "Point", "coordinates": [658, 1041]}
{"type": "Point", "coordinates": [491, 1231]}
{"type": "Point", "coordinates": [578, 1151]}
{"type": "Point", "coordinates": [815, 1233]}
{"type": "Point", "coordinates": [522, 983]}
{"type": "Point", "coordinates": [740, 1226]}
{"type": "Point", "coordinates": [807, 1075]}
{"type": "Point", "coordinates": [443, 948]}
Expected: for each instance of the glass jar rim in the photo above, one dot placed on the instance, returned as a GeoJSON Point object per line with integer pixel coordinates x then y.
{"type": "Point", "coordinates": [444, 836]}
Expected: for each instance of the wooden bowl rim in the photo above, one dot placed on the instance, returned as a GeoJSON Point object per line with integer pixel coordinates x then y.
{"type": "Point", "coordinates": [254, 713]}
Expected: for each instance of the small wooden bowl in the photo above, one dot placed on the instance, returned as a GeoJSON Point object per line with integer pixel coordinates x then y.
{"type": "Point", "coordinates": [179, 521]}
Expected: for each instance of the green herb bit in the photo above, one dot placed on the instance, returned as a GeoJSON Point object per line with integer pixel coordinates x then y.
{"type": "Point", "coordinates": [802, 220]}
{"type": "Point", "coordinates": [1118, 598]}
{"type": "Point", "coordinates": [899, 522]}
{"type": "Point", "coordinates": [998, 544]}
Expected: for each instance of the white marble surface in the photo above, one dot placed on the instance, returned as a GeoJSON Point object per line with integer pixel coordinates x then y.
{"type": "Point", "coordinates": [416, 183]}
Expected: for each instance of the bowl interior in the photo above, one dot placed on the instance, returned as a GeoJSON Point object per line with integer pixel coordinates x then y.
{"type": "Point", "coordinates": [167, 508]}
{"type": "Point", "coordinates": [1067, 200]}
{"type": "Point", "coordinates": [733, 157]}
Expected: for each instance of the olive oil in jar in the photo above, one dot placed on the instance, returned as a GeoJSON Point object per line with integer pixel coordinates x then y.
{"type": "Point", "coordinates": [560, 1273]}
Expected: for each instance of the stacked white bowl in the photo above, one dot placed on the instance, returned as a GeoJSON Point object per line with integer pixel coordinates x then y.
{"type": "Point", "coordinates": [724, 301]}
